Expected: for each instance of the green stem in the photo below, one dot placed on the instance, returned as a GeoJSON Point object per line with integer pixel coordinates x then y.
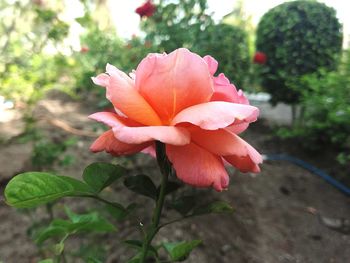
{"type": "Point", "coordinates": [165, 169]}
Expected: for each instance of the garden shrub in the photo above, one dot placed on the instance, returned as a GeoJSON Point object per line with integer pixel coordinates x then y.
{"type": "Point", "coordinates": [177, 24]}
{"type": "Point", "coordinates": [325, 97]}
{"type": "Point", "coordinates": [27, 71]}
{"type": "Point", "coordinates": [298, 38]}
{"type": "Point", "coordinates": [188, 24]}
{"type": "Point", "coordinates": [229, 45]}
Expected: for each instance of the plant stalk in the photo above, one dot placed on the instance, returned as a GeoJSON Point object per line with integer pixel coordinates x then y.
{"type": "Point", "coordinates": [165, 169]}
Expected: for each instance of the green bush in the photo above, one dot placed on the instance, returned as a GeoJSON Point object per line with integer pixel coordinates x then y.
{"type": "Point", "coordinates": [187, 23]}
{"type": "Point", "coordinates": [325, 97]}
{"type": "Point", "coordinates": [298, 38]}
{"type": "Point", "coordinates": [177, 24]}
{"type": "Point", "coordinates": [229, 45]}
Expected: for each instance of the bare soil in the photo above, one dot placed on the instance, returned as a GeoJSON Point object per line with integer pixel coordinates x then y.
{"type": "Point", "coordinates": [279, 214]}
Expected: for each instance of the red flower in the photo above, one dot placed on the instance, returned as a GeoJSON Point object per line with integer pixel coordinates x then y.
{"type": "Point", "coordinates": [147, 9]}
{"type": "Point", "coordinates": [260, 58]}
{"type": "Point", "coordinates": [84, 49]}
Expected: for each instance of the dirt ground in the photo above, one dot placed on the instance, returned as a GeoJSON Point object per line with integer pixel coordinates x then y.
{"type": "Point", "coordinates": [285, 214]}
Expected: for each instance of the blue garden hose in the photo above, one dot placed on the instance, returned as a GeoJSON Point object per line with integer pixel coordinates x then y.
{"type": "Point", "coordinates": [329, 179]}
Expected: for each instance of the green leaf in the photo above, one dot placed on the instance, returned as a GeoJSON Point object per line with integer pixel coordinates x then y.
{"type": "Point", "coordinates": [184, 204]}
{"type": "Point", "coordinates": [216, 207]}
{"type": "Point", "coordinates": [77, 223]}
{"type": "Point", "coordinates": [134, 243]}
{"type": "Point", "coordinates": [135, 259]}
{"type": "Point", "coordinates": [171, 187]}
{"type": "Point", "coordinates": [48, 260]}
{"type": "Point", "coordinates": [93, 260]}
{"type": "Point", "coordinates": [100, 175]}
{"type": "Point", "coordinates": [58, 248]}
{"type": "Point", "coordinates": [118, 211]}
{"type": "Point", "coordinates": [179, 251]}
{"type": "Point", "coordinates": [35, 188]}
{"type": "Point", "coordinates": [89, 222]}
{"type": "Point", "coordinates": [137, 244]}
{"type": "Point", "coordinates": [142, 184]}
{"type": "Point", "coordinates": [49, 232]}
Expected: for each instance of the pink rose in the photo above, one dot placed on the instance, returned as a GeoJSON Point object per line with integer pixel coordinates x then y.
{"type": "Point", "coordinates": [175, 98]}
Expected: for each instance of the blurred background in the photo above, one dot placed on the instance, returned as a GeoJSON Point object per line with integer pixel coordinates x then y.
{"type": "Point", "coordinates": [292, 60]}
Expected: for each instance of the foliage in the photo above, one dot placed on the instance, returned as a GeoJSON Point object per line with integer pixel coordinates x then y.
{"type": "Point", "coordinates": [177, 24]}
{"type": "Point", "coordinates": [104, 45]}
{"type": "Point", "coordinates": [27, 71]}
{"type": "Point", "coordinates": [46, 153]}
{"type": "Point", "coordinates": [36, 188]}
{"type": "Point", "coordinates": [325, 98]}
{"type": "Point", "coordinates": [187, 23]}
{"type": "Point", "coordinates": [229, 45]}
{"type": "Point", "coordinates": [298, 37]}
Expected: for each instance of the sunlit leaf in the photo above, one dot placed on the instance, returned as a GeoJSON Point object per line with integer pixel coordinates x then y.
{"type": "Point", "coordinates": [34, 188]}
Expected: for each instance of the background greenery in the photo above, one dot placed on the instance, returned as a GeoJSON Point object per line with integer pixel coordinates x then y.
{"type": "Point", "coordinates": [302, 41]}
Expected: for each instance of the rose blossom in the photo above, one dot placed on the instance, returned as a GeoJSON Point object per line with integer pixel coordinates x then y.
{"type": "Point", "coordinates": [147, 9]}
{"type": "Point", "coordinates": [84, 49]}
{"type": "Point", "coordinates": [176, 99]}
{"type": "Point", "coordinates": [260, 58]}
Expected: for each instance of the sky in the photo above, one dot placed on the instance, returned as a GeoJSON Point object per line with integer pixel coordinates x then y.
{"type": "Point", "coordinates": [127, 20]}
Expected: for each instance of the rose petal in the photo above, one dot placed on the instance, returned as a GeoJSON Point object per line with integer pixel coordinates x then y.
{"type": "Point", "coordinates": [212, 64]}
{"type": "Point", "coordinates": [171, 83]}
{"type": "Point", "coordinates": [123, 95]}
{"type": "Point", "coordinates": [243, 163]}
{"type": "Point", "coordinates": [216, 114]}
{"type": "Point", "coordinates": [198, 167]}
{"type": "Point", "coordinates": [225, 91]}
{"type": "Point", "coordinates": [166, 134]}
{"type": "Point", "coordinates": [150, 150]}
{"type": "Point", "coordinates": [129, 132]}
{"type": "Point", "coordinates": [112, 120]}
{"type": "Point", "coordinates": [101, 80]}
{"type": "Point", "coordinates": [107, 142]}
{"type": "Point", "coordinates": [224, 143]}
{"type": "Point", "coordinates": [237, 128]}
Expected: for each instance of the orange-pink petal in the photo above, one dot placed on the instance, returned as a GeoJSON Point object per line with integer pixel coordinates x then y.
{"type": "Point", "coordinates": [243, 163]}
{"type": "Point", "coordinates": [173, 82]}
{"type": "Point", "coordinates": [130, 132]}
{"type": "Point", "coordinates": [237, 128]}
{"type": "Point", "coordinates": [123, 95]}
{"type": "Point", "coordinates": [225, 91]}
{"type": "Point", "coordinates": [216, 114]}
{"type": "Point", "coordinates": [224, 143]}
{"type": "Point", "coordinates": [151, 150]}
{"type": "Point", "coordinates": [107, 142]}
{"type": "Point", "coordinates": [112, 120]}
{"type": "Point", "coordinates": [197, 167]}
{"type": "Point", "coordinates": [212, 64]}
{"type": "Point", "coordinates": [166, 134]}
